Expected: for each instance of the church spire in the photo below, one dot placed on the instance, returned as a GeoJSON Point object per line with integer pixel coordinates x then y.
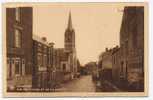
{"type": "Point", "coordinates": [70, 21]}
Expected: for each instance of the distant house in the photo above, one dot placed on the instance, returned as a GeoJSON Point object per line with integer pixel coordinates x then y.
{"type": "Point", "coordinates": [105, 64]}
{"type": "Point", "coordinates": [42, 63]}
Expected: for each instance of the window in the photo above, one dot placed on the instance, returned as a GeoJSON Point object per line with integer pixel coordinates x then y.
{"type": "Point", "coordinates": [23, 67]}
{"type": "Point", "coordinates": [17, 14]}
{"type": "Point", "coordinates": [12, 61]}
{"type": "Point", "coordinates": [17, 67]}
{"type": "Point", "coordinates": [64, 67]}
{"type": "Point", "coordinates": [122, 67]}
{"type": "Point", "coordinates": [114, 59]}
{"type": "Point", "coordinates": [126, 46]}
{"type": "Point", "coordinates": [23, 62]}
{"type": "Point", "coordinates": [17, 38]}
{"type": "Point", "coordinates": [9, 68]}
{"type": "Point", "coordinates": [45, 49]}
{"type": "Point", "coordinates": [45, 60]}
{"type": "Point", "coordinates": [39, 47]}
{"type": "Point", "coordinates": [39, 59]}
{"type": "Point", "coordinates": [49, 57]}
{"type": "Point", "coordinates": [20, 68]}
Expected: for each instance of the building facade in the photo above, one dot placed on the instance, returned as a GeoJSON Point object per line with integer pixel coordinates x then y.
{"type": "Point", "coordinates": [105, 65]}
{"type": "Point", "coordinates": [52, 66]}
{"type": "Point", "coordinates": [128, 65]}
{"type": "Point", "coordinates": [116, 69]}
{"type": "Point", "coordinates": [19, 47]}
{"type": "Point", "coordinates": [62, 63]}
{"type": "Point", "coordinates": [43, 63]}
{"type": "Point", "coordinates": [32, 62]}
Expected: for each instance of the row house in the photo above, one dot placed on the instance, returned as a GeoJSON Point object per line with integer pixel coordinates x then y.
{"type": "Point", "coordinates": [105, 65]}
{"type": "Point", "coordinates": [29, 58]}
{"type": "Point", "coordinates": [128, 59]}
{"type": "Point", "coordinates": [117, 70]}
{"type": "Point", "coordinates": [62, 65]}
{"type": "Point", "coordinates": [32, 62]}
{"type": "Point", "coordinates": [43, 63]}
{"type": "Point", "coordinates": [19, 47]}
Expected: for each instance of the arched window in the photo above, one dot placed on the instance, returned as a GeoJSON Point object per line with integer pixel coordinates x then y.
{"type": "Point", "coordinates": [17, 38]}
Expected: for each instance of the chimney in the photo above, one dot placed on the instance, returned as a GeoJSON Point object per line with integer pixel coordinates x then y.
{"type": "Point", "coordinates": [44, 39]}
{"type": "Point", "coordinates": [51, 44]}
{"type": "Point", "coordinates": [106, 49]}
{"type": "Point", "coordinates": [117, 46]}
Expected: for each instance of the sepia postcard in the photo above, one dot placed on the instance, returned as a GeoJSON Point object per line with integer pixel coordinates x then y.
{"type": "Point", "coordinates": [75, 49]}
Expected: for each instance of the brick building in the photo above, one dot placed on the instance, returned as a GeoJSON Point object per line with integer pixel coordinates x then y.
{"type": "Point", "coordinates": [106, 59]}
{"type": "Point", "coordinates": [126, 62]}
{"type": "Point", "coordinates": [42, 63]}
{"type": "Point", "coordinates": [19, 47]}
{"type": "Point", "coordinates": [54, 65]}
{"type": "Point", "coordinates": [105, 64]}
{"type": "Point", "coordinates": [32, 62]}
{"type": "Point", "coordinates": [129, 59]}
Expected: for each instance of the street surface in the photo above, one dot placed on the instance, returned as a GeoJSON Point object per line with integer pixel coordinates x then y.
{"type": "Point", "coordinates": [85, 84]}
{"type": "Point", "coordinates": [82, 84]}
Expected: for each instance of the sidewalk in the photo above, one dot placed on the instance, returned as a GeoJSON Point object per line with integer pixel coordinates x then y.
{"type": "Point", "coordinates": [107, 86]}
{"type": "Point", "coordinates": [113, 86]}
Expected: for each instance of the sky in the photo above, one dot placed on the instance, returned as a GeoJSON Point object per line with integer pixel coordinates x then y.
{"type": "Point", "coordinates": [96, 26]}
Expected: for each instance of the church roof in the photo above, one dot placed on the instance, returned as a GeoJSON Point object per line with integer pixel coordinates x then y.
{"type": "Point", "coordinates": [70, 22]}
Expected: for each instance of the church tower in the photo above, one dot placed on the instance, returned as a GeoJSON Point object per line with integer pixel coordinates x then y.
{"type": "Point", "coordinates": [69, 36]}
{"type": "Point", "coordinates": [70, 46]}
